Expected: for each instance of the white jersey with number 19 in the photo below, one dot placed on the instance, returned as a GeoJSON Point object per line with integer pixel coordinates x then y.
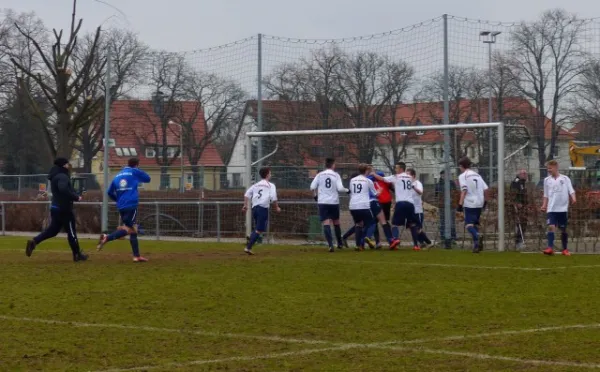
{"type": "Point", "coordinates": [328, 185]}
{"type": "Point", "coordinates": [360, 188]}
{"type": "Point", "coordinates": [471, 182]}
{"type": "Point", "coordinates": [402, 186]}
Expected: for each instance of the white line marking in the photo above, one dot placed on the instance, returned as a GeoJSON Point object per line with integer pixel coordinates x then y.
{"type": "Point", "coordinates": [169, 330]}
{"type": "Point", "coordinates": [519, 268]}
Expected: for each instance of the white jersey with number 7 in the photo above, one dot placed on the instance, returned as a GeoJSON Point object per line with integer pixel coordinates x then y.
{"type": "Point", "coordinates": [471, 182]}
{"type": "Point", "coordinates": [402, 186]}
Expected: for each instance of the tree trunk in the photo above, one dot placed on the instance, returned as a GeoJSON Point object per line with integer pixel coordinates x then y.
{"type": "Point", "coordinates": [198, 174]}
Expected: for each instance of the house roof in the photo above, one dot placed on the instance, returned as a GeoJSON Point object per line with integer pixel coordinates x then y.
{"type": "Point", "coordinates": [135, 125]}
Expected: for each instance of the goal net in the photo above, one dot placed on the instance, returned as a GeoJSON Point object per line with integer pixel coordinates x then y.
{"type": "Point", "coordinates": [295, 157]}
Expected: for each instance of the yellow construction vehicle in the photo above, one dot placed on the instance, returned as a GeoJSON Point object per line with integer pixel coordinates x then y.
{"type": "Point", "coordinates": [583, 176]}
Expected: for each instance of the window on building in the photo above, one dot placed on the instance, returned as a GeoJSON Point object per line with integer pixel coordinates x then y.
{"type": "Point", "coordinates": [133, 151]}
{"type": "Point", "coordinates": [421, 153]}
{"type": "Point", "coordinates": [434, 152]}
{"type": "Point", "coordinates": [150, 153]}
{"type": "Point", "coordinates": [471, 152]}
{"type": "Point", "coordinates": [556, 151]}
{"type": "Point", "coordinates": [119, 151]}
{"type": "Point", "coordinates": [237, 180]}
{"type": "Point", "coordinates": [527, 151]}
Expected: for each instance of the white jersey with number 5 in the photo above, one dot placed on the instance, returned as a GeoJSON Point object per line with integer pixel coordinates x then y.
{"type": "Point", "coordinates": [328, 184]}
{"type": "Point", "coordinates": [471, 182]}
{"type": "Point", "coordinates": [558, 190]}
{"type": "Point", "coordinates": [402, 186]}
{"type": "Point", "coordinates": [262, 194]}
{"type": "Point", "coordinates": [360, 189]}
{"type": "Point", "coordinates": [417, 198]}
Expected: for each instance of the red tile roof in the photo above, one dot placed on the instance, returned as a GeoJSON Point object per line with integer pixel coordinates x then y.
{"type": "Point", "coordinates": [134, 124]}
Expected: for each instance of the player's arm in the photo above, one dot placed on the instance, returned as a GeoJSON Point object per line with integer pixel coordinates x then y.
{"type": "Point", "coordinates": [545, 199]}
{"type": "Point", "coordinates": [571, 191]}
{"type": "Point", "coordinates": [274, 200]}
{"type": "Point", "coordinates": [463, 192]}
{"type": "Point", "coordinates": [141, 175]}
{"type": "Point", "coordinates": [340, 185]}
{"type": "Point", "coordinates": [372, 188]}
{"type": "Point", "coordinates": [314, 185]}
{"type": "Point", "coordinates": [418, 188]}
{"type": "Point", "coordinates": [247, 197]}
{"type": "Point", "coordinates": [112, 192]}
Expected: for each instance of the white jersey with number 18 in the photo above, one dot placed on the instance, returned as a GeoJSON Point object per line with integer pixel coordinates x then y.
{"type": "Point", "coordinates": [328, 185]}
{"type": "Point", "coordinates": [471, 182]}
{"type": "Point", "coordinates": [402, 186]}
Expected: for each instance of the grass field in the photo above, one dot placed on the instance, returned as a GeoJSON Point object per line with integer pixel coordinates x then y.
{"type": "Point", "coordinates": [209, 307]}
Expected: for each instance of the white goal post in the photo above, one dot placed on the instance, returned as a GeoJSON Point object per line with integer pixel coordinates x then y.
{"type": "Point", "coordinates": [446, 127]}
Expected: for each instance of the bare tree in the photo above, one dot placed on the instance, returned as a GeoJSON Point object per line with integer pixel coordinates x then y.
{"type": "Point", "coordinates": [216, 108]}
{"type": "Point", "coordinates": [547, 61]}
{"type": "Point", "coordinates": [586, 104]}
{"type": "Point", "coordinates": [62, 89]}
{"type": "Point", "coordinates": [128, 59]}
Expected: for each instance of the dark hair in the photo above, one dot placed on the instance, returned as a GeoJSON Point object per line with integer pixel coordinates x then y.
{"type": "Point", "coordinates": [465, 162]}
{"type": "Point", "coordinates": [412, 172]}
{"type": "Point", "coordinates": [401, 165]}
{"type": "Point", "coordinates": [264, 172]}
{"type": "Point", "coordinates": [329, 162]}
{"type": "Point", "coordinates": [61, 162]}
{"type": "Point", "coordinates": [362, 168]}
{"type": "Point", "coordinates": [133, 162]}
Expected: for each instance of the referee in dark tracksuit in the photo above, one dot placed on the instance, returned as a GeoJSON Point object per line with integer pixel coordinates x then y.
{"type": "Point", "coordinates": [61, 210]}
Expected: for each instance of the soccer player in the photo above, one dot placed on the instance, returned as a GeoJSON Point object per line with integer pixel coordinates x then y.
{"type": "Point", "coordinates": [518, 188]}
{"type": "Point", "coordinates": [472, 199]}
{"type": "Point", "coordinates": [360, 204]}
{"type": "Point", "coordinates": [557, 192]}
{"type": "Point", "coordinates": [417, 187]}
{"type": "Point", "coordinates": [379, 216]}
{"type": "Point", "coordinates": [385, 199]}
{"type": "Point", "coordinates": [261, 195]}
{"type": "Point", "coordinates": [404, 212]}
{"type": "Point", "coordinates": [61, 211]}
{"type": "Point", "coordinates": [124, 190]}
{"type": "Point", "coordinates": [326, 188]}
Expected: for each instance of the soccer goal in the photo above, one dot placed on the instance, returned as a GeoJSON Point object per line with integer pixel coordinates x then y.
{"type": "Point", "coordinates": [295, 157]}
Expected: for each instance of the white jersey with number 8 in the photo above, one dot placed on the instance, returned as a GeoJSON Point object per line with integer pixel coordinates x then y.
{"type": "Point", "coordinates": [402, 186]}
{"type": "Point", "coordinates": [262, 194]}
{"type": "Point", "coordinates": [471, 182]}
{"type": "Point", "coordinates": [328, 185]}
{"type": "Point", "coordinates": [360, 189]}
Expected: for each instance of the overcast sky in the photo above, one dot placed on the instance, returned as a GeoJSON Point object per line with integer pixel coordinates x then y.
{"type": "Point", "coordinates": [179, 25]}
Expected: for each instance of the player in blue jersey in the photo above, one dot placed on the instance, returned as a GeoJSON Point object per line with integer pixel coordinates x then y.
{"type": "Point", "coordinates": [124, 190]}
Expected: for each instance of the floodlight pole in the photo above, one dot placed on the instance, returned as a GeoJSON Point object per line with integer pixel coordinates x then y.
{"type": "Point", "coordinates": [489, 38]}
{"type": "Point", "coordinates": [447, 193]}
{"type": "Point", "coordinates": [105, 170]}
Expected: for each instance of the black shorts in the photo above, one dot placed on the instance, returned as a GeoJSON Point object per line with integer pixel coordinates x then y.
{"type": "Point", "coordinates": [129, 217]}
{"type": "Point", "coordinates": [362, 215]}
{"type": "Point", "coordinates": [404, 214]}
{"type": "Point", "coordinates": [387, 209]}
{"type": "Point", "coordinates": [329, 212]}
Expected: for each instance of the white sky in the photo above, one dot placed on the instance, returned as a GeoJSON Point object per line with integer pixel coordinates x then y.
{"type": "Point", "coordinates": [178, 25]}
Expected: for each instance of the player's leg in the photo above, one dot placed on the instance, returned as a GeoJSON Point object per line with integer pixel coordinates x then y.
{"type": "Point", "coordinates": [335, 217]}
{"type": "Point", "coordinates": [371, 226]}
{"type": "Point", "coordinates": [260, 216]}
{"type": "Point", "coordinates": [552, 222]}
{"type": "Point", "coordinates": [397, 221]}
{"type": "Point", "coordinates": [411, 223]}
{"type": "Point", "coordinates": [50, 232]}
{"type": "Point", "coordinates": [422, 235]}
{"type": "Point", "coordinates": [121, 231]}
{"type": "Point", "coordinates": [471, 222]}
{"type": "Point", "coordinates": [69, 227]}
{"type": "Point", "coordinates": [564, 236]}
{"type": "Point", "coordinates": [130, 222]}
{"type": "Point", "coordinates": [387, 230]}
{"type": "Point", "coordinates": [325, 217]}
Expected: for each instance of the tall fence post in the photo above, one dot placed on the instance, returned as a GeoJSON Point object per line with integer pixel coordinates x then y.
{"type": "Point", "coordinates": [501, 187]}
{"type": "Point", "coordinates": [107, 87]}
{"type": "Point", "coordinates": [447, 197]}
{"type": "Point", "coordinates": [259, 106]}
{"type": "Point", "coordinates": [3, 216]}
{"type": "Point", "coordinates": [157, 219]}
{"type": "Point", "coordinates": [19, 186]}
{"type": "Point", "coordinates": [248, 172]}
{"type": "Point", "coordinates": [218, 221]}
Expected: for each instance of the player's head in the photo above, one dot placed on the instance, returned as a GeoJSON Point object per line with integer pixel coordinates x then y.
{"type": "Point", "coordinates": [400, 167]}
{"type": "Point", "coordinates": [411, 172]}
{"type": "Point", "coordinates": [464, 163]}
{"type": "Point", "coordinates": [363, 169]}
{"type": "Point", "coordinates": [265, 173]}
{"type": "Point", "coordinates": [380, 174]}
{"type": "Point", "coordinates": [133, 163]}
{"type": "Point", "coordinates": [62, 162]}
{"type": "Point", "coordinates": [552, 167]}
{"type": "Point", "coordinates": [330, 163]}
{"type": "Point", "coordinates": [522, 174]}
{"type": "Point", "coordinates": [369, 168]}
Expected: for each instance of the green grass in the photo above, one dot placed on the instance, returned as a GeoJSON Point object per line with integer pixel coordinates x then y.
{"type": "Point", "coordinates": [206, 302]}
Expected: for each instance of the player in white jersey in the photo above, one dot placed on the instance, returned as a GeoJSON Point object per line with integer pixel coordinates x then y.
{"type": "Point", "coordinates": [417, 188]}
{"type": "Point", "coordinates": [326, 188]}
{"type": "Point", "coordinates": [558, 189]}
{"type": "Point", "coordinates": [260, 195]}
{"type": "Point", "coordinates": [360, 204]}
{"type": "Point", "coordinates": [404, 211]}
{"type": "Point", "coordinates": [472, 199]}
